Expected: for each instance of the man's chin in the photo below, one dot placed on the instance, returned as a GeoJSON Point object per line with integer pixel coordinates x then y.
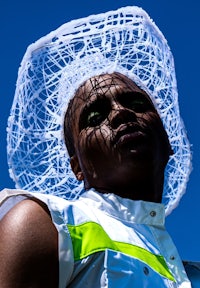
{"type": "Point", "coordinates": [134, 153]}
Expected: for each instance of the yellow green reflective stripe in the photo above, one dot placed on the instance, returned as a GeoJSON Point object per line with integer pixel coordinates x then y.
{"type": "Point", "coordinates": [90, 237]}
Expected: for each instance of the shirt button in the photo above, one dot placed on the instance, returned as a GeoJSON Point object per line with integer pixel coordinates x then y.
{"type": "Point", "coordinates": [153, 213]}
{"type": "Point", "coordinates": [146, 271]}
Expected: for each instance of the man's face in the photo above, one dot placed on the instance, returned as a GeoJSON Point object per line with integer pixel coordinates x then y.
{"type": "Point", "coordinates": [118, 134]}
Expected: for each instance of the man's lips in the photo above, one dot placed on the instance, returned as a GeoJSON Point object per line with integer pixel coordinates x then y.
{"type": "Point", "coordinates": [129, 135]}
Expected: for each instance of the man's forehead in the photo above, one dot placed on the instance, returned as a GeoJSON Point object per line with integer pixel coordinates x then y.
{"type": "Point", "coordinates": [102, 81]}
{"type": "Point", "coordinates": [109, 80]}
{"type": "Point", "coordinates": [101, 84]}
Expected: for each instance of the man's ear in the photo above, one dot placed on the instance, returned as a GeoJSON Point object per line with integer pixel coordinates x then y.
{"type": "Point", "coordinates": [76, 168]}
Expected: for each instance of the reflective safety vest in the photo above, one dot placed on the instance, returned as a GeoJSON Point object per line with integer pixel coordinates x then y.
{"type": "Point", "coordinates": [107, 241]}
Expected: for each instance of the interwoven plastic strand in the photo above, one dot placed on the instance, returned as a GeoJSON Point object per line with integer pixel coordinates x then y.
{"type": "Point", "coordinates": [125, 40]}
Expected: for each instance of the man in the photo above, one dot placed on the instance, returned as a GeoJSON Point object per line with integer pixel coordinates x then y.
{"type": "Point", "coordinates": [113, 235]}
{"type": "Point", "coordinates": [119, 139]}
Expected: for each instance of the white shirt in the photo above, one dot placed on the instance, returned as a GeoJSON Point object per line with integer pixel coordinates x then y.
{"type": "Point", "coordinates": [107, 241]}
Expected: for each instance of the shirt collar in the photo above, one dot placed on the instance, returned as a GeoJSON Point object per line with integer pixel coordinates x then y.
{"type": "Point", "coordinates": [139, 212]}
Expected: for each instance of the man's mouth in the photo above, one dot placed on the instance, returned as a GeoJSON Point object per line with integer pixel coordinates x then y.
{"type": "Point", "coordinates": [129, 136]}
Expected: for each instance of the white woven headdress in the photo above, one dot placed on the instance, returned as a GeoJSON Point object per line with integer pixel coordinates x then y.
{"type": "Point", "coordinates": [125, 40]}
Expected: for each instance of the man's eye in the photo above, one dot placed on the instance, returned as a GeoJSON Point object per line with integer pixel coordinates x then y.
{"type": "Point", "coordinates": [136, 101]}
{"type": "Point", "coordinates": [94, 114]}
{"type": "Point", "coordinates": [137, 104]}
{"type": "Point", "coordinates": [94, 118]}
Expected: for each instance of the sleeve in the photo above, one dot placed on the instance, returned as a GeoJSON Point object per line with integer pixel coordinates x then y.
{"type": "Point", "coordinates": [9, 198]}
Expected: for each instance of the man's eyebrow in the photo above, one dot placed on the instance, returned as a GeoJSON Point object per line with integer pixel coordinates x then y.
{"type": "Point", "coordinates": [93, 102]}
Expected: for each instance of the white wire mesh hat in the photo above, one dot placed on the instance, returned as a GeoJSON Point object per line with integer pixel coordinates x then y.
{"type": "Point", "coordinates": [125, 41]}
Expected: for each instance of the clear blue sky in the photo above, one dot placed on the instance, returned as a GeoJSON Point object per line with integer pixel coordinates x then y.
{"type": "Point", "coordinates": [23, 22]}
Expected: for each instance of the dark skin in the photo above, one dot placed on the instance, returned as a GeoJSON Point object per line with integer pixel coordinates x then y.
{"type": "Point", "coordinates": [113, 136]}
{"type": "Point", "coordinates": [119, 139]}
{"type": "Point", "coordinates": [28, 247]}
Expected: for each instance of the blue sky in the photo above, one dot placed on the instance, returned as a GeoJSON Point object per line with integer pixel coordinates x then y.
{"type": "Point", "coordinates": [23, 22]}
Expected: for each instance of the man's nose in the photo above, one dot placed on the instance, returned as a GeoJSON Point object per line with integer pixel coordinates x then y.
{"type": "Point", "coordinates": [121, 115]}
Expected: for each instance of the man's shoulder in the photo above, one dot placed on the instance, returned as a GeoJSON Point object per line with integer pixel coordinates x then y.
{"type": "Point", "coordinates": [25, 215]}
{"type": "Point", "coordinates": [28, 243]}
{"type": "Point", "coordinates": [27, 230]}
